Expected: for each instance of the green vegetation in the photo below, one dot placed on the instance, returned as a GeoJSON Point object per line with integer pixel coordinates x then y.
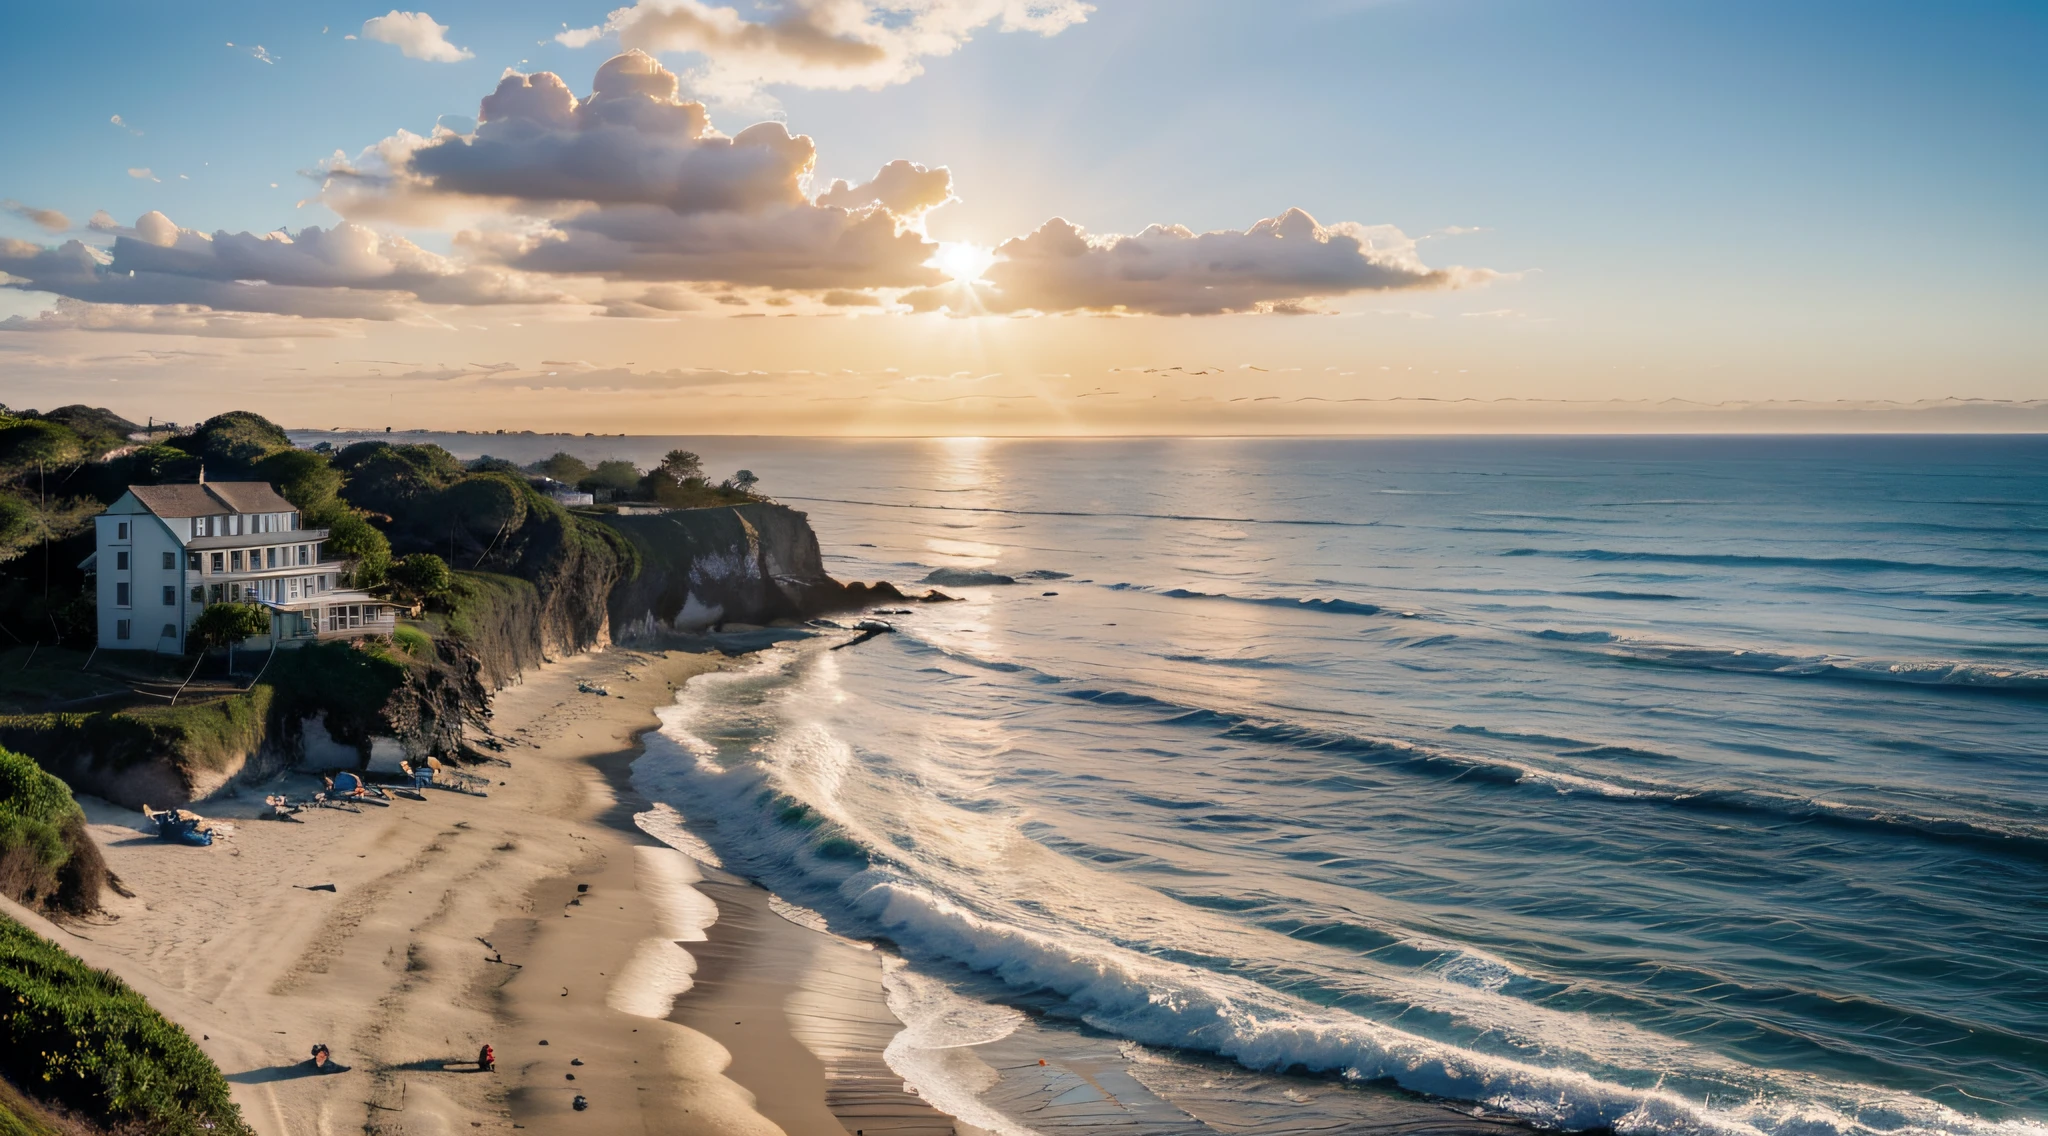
{"type": "Point", "coordinates": [421, 576]}
{"type": "Point", "coordinates": [563, 467]}
{"type": "Point", "coordinates": [206, 733]}
{"type": "Point", "coordinates": [412, 641]}
{"type": "Point", "coordinates": [81, 1038]}
{"type": "Point", "coordinates": [47, 859]}
{"type": "Point", "coordinates": [226, 624]}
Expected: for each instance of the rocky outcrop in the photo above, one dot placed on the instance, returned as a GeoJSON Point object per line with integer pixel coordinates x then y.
{"type": "Point", "coordinates": [698, 568]}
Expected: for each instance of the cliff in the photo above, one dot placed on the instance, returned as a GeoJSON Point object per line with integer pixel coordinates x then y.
{"type": "Point", "coordinates": [697, 568]}
{"type": "Point", "coordinates": [554, 585]}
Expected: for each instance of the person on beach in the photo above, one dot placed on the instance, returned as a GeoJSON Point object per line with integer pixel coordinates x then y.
{"type": "Point", "coordinates": [322, 1059]}
{"type": "Point", "coordinates": [487, 1059]}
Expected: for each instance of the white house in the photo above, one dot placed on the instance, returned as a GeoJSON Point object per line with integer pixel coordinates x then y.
{"type": "Point", "coordinates": [166, 551]}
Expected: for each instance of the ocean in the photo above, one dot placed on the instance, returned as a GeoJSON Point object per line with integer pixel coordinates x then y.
{"type": "Point", "coordinates": [1657, 784]}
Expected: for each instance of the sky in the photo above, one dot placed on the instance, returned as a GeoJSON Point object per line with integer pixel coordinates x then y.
{"type": "Point", "coordinates": [1025, 216]}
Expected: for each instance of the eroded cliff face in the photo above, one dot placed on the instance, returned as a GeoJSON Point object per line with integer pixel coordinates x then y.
{"type": "Point", "coordinates": [702, 567]}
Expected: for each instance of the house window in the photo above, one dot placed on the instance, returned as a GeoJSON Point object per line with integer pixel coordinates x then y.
{"type": "Point", "coordinates": [120, 629]}
{"type": "Point", "coordinates": [220, 563]}
{"type": "Point", "coordinates": [235, 560]}
{"type": "Point", "coordinates": [199, 593]}
{"type": "Point", "coordinates": [120, 562]}
{"type": "Point", "coordinates": [305, 554]}
{"type": "Point", "coordinates": [121, 596]}
{"type": "Point", "coordinates": [216, 593]}
{"type": "Point", "coordinates": [323, 582]}
{"type": "Point", "coordinates": [270, 558]}
{"type": "Point", "coordinates": [170, 561]}
{"type": "Point", "coordinates": [170, 595]}
{"type": "Point", "coordinates": [170, 631]}
{"type": "Point", "coordinates": [292, 588]}
{"type": "Point", "coordinates": [234, 593]}
{"type": "Point", "coordinates": [192, 561]}
{"type": "Point", "coordinates": [121, 530]}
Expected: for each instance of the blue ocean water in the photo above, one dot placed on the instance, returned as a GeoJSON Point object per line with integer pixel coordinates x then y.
{"type": "Point", "coordinates": [1666, 784]}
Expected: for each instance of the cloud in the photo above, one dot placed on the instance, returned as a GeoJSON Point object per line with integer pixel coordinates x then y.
{"type": "Point", "coordinates": [142, 173]}
{"type": "Point", "coordinates": [663, 301]}
{"type": "Point", "coordinates": [416, 35]}
{"type": "Point", "coordinates": [1274, 266]}
{"type": "Point", "coordinates": [347, 272]}
{"type": "Point", "coordinates": [633, 183]}
{"type": "Point", "coordinates": [841, 298]}
{"type": "Point", "coordinates": [48, 219]}
{"type": "Point", "coordinates": [116, 120]}
{"type": "Point", "coordinates": [102, 221]}
{"type": "Point", "coordinates": [901, 187]}
{"type": "Point", "coordinates": [169, 319]}
{"type": "Point", "coordinates": [831, 44]}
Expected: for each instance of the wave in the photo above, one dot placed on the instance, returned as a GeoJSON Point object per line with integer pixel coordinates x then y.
{"type": "Point", "coordinates": [2006, 678]}
{"type": "Point", "coordinates": [876, 888]}
{"type": "Point", "coordinates": [1999, 677]}
{"type": "Point", "coordinates": [1292, 603]}
{"type": "Point", "coordinates": [2011, 837]}
{"type": "Point", "coordinates": [1829, 563]}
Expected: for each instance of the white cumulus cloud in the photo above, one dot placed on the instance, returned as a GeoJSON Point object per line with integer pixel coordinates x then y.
{"type": "Point", "coordinates": [1274, 266]}
{"type": "Point", "coordinates": [416, 35]}
{"type": "Point", "coordinates": [633, 183]}
{"type": "Point", "coordinates": [831, 44]}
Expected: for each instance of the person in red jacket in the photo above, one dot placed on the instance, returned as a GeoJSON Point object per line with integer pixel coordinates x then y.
{"type": "Point", "coordinates": [487, 1059]}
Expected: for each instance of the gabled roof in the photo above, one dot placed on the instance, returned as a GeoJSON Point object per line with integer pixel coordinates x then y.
{"type": "Point", "coordinates": [201, 500]}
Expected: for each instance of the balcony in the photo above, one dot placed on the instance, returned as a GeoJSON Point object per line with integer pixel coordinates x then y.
{"type": "Point", "coordinates": [256, 540]}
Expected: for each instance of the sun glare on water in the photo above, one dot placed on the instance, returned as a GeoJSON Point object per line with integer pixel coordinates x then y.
{"type": "Point", "coordinates": [962, 261]}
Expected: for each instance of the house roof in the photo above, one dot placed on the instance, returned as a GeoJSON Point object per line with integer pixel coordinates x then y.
{"type": "Point", "coordinates": [208, 498]}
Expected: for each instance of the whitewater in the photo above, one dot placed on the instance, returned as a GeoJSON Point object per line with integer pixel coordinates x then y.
{"type": "Point", "coordinates": [1661, 785]}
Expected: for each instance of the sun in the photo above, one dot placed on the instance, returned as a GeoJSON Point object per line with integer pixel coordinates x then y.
{"type": "Point", "coordinates": [962, 261]}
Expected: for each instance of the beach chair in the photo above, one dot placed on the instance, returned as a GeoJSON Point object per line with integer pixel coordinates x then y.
{"type": "Point", "coordinates": [446, 777]}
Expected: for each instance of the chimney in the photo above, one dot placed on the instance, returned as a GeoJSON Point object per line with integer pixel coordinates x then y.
{"type": "Point", "coordinates": [202, 473]}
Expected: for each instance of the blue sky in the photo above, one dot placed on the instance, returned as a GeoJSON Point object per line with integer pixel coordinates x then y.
{"type": "Point", "coordinates": [1675, 190]}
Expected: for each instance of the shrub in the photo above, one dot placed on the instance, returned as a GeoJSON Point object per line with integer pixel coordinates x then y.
{"type": "Point", "coordinates": [46, 856]}
{"type": "Point", "coordinates": [82, 1038]}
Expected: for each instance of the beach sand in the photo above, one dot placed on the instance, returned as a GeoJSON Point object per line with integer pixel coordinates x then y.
{"type": "Point", "coordinates": [459, 921]}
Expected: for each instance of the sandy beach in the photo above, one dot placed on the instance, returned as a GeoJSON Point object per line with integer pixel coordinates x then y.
{"type": "Point", "coordinates": [539, 920]}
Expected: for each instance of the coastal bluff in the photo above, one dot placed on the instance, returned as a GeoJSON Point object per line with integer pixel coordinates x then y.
{"type": "Point", "coordinates": [698, 568]}
{"type": "Point", "coordinates": [557, 585]}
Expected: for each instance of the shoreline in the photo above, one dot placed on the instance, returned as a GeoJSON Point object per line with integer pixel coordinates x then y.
{"type": "Point", "coordinates": [391, 970]}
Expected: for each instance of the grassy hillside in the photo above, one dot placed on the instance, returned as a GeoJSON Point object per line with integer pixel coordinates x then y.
{"type": "Point", "coordinates": [80, 1038]}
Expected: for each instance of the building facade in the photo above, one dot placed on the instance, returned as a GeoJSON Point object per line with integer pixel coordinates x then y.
{"type": "Point", "coordinates": [164, 552]}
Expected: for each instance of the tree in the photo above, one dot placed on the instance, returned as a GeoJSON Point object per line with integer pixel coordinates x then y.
{"type": "Point", "coordinates": [226, 624]}
{"type": "Point", "coordinates": [489, 464]}
{"type": "Point", "coordinates": [744, 481]}
{"type": "Point", "coordinates": [564, 467]}
{"type": "Point", "coordinates": [611, 479]}
{"type": "Point", "coordinates": [682, 466]}
{"type": "Point", "coordinates": [234, 442]}
{"type": "Point", "coordinates": [422, 576]}
{"type": "Point", "coordinates": [305, 478]}
{"type": "Point", "coordinates": [352, 537]}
